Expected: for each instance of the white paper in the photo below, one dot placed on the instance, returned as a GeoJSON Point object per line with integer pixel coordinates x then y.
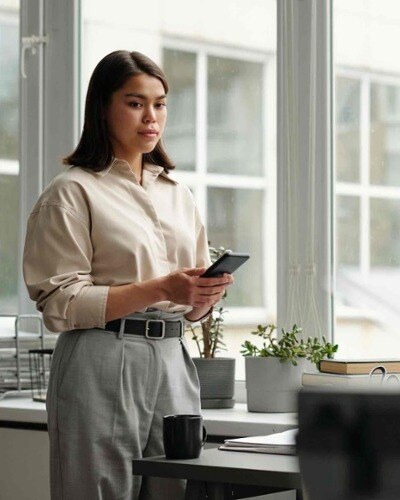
{"type": "Point", "coordinates": [286, 438]}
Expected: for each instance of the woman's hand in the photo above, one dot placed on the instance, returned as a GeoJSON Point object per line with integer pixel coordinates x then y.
{"type": "Point", "coordinates": [186, 287]}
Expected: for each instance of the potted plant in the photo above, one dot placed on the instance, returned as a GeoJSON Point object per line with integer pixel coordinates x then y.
{"type": "Point", "coordinates": [273, 371]}
{"type": "Point", "coordinates": [216, 374]}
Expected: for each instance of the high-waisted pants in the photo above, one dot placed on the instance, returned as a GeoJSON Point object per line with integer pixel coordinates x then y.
{"type": "Point", "coordinates": [106, 400]}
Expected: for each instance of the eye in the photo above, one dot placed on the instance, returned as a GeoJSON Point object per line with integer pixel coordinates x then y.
{"type": "Point", "coordinates": [161, 105]}
{"type": "Point", "coordinates": [135, 104]}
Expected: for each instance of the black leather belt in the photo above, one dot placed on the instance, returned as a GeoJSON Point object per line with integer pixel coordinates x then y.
{"type": "Point", "coordinates": [150, 328]}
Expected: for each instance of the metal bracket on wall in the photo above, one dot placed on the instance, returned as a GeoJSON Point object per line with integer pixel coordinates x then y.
{"type": "Point", "coordinates": [30, 43]}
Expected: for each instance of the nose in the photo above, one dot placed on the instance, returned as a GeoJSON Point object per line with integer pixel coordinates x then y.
{"type": "Point", "coordinates": [150, 115]}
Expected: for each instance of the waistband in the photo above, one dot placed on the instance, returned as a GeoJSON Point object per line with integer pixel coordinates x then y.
{"type": "Point", "coordinates": [149, 325]}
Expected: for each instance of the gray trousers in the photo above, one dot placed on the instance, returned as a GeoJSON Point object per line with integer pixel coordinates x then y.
{"type": "Point", "coordinates": [106, 400]}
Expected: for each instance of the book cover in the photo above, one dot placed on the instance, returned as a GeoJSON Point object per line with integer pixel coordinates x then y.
{"type": "Point", "coordinates": [357, 367]}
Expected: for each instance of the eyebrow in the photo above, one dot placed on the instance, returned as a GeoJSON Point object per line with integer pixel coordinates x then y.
{"type": "Point", "coordinates": [141, 96]}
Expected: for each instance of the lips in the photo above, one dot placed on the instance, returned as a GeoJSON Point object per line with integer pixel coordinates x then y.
{"type": "Point", "coordinates": [149, 133]}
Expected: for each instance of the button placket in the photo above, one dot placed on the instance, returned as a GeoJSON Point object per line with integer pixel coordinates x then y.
{"type": "Point", "coordinates": [149, 208]}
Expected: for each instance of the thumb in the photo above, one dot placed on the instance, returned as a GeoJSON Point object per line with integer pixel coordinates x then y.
{"type": "Point", "coordinates": [196, 271]}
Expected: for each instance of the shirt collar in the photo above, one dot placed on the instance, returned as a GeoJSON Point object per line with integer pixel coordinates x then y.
{"type": "Point", "coordinates": [154, 169]}
{"type": "Point", "coordinates": [157, 170]}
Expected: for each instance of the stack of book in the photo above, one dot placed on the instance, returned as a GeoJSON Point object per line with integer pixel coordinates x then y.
{"type": "Point", "coordinates": [354, 373]}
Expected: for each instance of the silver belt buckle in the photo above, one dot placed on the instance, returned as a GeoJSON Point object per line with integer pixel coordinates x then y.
{"type": "Point", "coordinates": [148, 328]}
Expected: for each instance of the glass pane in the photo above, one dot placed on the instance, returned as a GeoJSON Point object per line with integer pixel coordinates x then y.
{"type": "Point", "coordinates": [385, 135]}
{"type": "Point", "coordinates": [367, 227]}
{"type": "Point", "coordinates": [180, 132]}
{"type": "Point", "coordinates": [347, 129]}
{"type": "Point", "coordinates": [228, 226]}
{"type": "Point", "coordinates": [348, 231]}
{"type": "Point", "coordinates": [235, 110]}
{"type": "Point", "coordinates": [9, 166]}
{"type": "Point", "coordinates": [385, 235]}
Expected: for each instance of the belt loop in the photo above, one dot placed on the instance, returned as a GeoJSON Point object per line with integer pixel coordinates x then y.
{"type": "Point", "coordinates": [121, 329]}
{"type": "Point", "coordinates": [182, 322]}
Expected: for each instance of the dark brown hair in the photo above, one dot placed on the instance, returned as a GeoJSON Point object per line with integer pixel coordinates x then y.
{"type": "Point", "coordinates": [94, 149]}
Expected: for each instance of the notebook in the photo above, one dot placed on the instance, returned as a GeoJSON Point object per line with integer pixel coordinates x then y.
{"type": "Point", "coordinates": [281, 443]}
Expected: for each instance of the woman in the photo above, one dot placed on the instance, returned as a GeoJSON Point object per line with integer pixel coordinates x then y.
{"type": "Point", "coordinates": [113, 256]}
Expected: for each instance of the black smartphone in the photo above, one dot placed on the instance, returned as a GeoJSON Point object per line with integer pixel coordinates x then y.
{"type": "Point", "coordinates": [227, 263]}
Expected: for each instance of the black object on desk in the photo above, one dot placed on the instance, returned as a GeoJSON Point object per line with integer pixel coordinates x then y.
{"type": "Point", "coordinates": [222, 475]}
{"type": "Point", "coordinates": [349, 444]}
{"type": "Point", "coordinates": [39, 368]}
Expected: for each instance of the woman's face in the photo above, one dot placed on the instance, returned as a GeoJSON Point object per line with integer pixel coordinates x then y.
{"type": "Point", "coordinates": [137, 114]}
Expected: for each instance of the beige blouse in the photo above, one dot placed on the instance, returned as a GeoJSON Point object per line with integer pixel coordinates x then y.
{"type": "Point", "coordinates": [92, 230]}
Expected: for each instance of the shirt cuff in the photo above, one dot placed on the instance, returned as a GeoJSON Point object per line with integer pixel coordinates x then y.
{"type": "Point", "coordinates": [202, 318]}
{"type": "Point", "coordinates": [88, 308]}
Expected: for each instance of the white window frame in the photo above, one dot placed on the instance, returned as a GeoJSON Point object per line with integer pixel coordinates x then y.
{"type": "Point", "coordinates": [49, 105]}
{"type": "Point", "coordinates": [199, 180]}
{"type": "Point", "coordinates": [362, 189]}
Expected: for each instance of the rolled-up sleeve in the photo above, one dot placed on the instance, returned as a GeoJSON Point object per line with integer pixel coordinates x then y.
{"type": "Point", "coordinates": [57, 270]}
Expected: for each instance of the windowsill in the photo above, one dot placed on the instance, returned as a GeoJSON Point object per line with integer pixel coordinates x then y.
{"type": "Point", "coordinates": [237, 422]}
{"type": "Point", "coordinates": [234, 422]}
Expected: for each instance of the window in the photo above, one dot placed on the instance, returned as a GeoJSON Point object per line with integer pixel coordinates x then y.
{"type": "Point", "coordinates": [222, 66]}
{"type": "Point", "coordinates": [9, 164]}
{"type": "Point", "coordinates": [230, 172]}
{"type": "Point", "coordinates": [367, 139]}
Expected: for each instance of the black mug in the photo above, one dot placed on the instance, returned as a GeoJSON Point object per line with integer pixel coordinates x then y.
{"type": "Point", "coordinates": [184, 436]}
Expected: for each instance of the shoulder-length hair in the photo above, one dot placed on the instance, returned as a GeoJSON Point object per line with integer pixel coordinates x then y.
{"type": "Point", "coordinates": [94, 149]}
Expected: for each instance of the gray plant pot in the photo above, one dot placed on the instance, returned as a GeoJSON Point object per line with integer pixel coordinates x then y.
{"type": "Point", "coordinates": [272, 386]}
{"type": "Point", "coordinates": [217, 382]}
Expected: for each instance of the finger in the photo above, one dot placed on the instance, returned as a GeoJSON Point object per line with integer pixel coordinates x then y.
{"type": "Point", "coordinates": [221, 296]}
{"type": "Point", "coordinates": [199, 303]}
{"type": "Point", "coordinates": [196, 271]}
{"type": "Point", "coordinates": [230, 278]}
{"type": "Point", "coordinates": [212, 290]}
{"type": "Point", "coordinates": [221, 280]}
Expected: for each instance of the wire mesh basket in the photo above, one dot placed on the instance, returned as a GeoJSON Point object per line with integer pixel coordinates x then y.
{"type": "Point", "coordinates": [39, 369]}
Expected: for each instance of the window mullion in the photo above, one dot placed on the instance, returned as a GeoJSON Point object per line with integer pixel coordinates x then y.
{"type": "Point", "coordinates": [201, 133]}
{"type": "Point", "coordinates": [61, 100]}
{"type": "Point", "coordinates": [31, 129]}
{"type": "Point", "coordinates": [364, 175]}
{"type": "Point", "coordinates": [269, 229]}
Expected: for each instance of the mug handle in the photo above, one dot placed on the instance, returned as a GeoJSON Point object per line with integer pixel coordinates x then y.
{"type": "Point", "coordinates": [204, 436]}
